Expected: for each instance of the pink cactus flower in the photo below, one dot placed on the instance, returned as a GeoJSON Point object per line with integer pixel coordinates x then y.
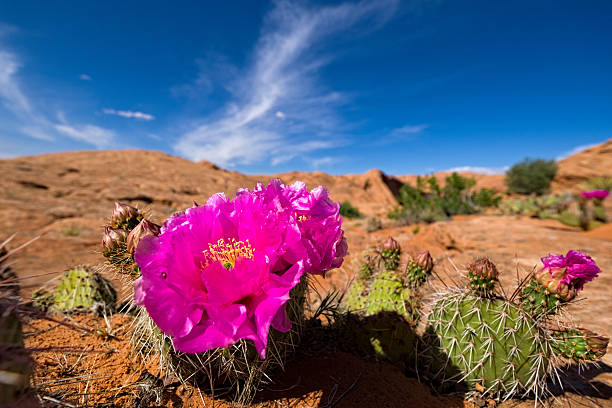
{"type": "Point", "coordinates": [597, 194]}
{"type": "Point", "coordinates": [574, 269]}
{"type": "Point", "coordinates": [223, 271]}
{"type": "Point", "coordinates": [318, 220]}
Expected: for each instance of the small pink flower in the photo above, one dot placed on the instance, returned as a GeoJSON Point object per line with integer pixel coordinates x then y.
{"type": "Point", "coordinates": [574, 269]}
{"type": "Point", "coordinates": [597, 194]}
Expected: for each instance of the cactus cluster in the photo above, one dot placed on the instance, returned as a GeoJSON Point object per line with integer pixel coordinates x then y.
{"type": "Point", "coordinates": [82, 289]}
{"type": "Point", "coordinates": [548, 206]}
{"type": "Point", "coordinates": [478, 336]}
{"type": "Point", "coordinates": [236, 368]}
{"type": "Point", "coordinates": [383, 305]}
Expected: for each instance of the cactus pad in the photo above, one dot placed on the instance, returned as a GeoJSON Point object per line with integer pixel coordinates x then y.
{"type": "Point", "coordinates": [492, 343]}
{"type": "Point", "coordinates": [579, 345]}
{"type": "Point", "coordinates": [537, 300]}
{"type": "Point", "coordinates": [82, 290]}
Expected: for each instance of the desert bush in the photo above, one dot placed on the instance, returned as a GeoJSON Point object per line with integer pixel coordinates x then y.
{"type": "Point", "coordinates": [347, 210]}
{"type": "Point", "coordinates": [531, 176]}
{"type": "Point", "coordinates": [428, 202]}
{"type": "Point", "coordinates": [486, 197]}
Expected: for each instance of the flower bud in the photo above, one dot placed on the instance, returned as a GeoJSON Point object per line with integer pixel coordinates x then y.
{"type": "Point", "coordinates": [144, 228]}
{"type": "Point", "coordinates": [484, 269]}
{"type": "Point", "coordinates": [552, 279]}
{"type": "Point", "coordinates": [125, 216]}
{"type": "Point", "coordinates": [425, 261]}
{"type": "Point", "coordinates": [596, 343]}
{"type": "Point", "coordinates": [482, 275]}
{"type": "Point", "coordinates": [390, 245]}
{"type": "Point", "coordinates": [113, 240]}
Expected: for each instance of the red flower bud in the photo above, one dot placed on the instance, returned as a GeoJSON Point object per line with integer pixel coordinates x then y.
{"type": "Point", "coordinates": [143, 229]}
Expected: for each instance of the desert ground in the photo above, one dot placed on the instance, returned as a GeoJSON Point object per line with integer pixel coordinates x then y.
{"type": "Point", "coordinates": [65, 198]}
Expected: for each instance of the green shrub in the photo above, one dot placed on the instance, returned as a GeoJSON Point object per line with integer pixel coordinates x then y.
{"type": "Point", "coordinates": [347, 210]}
{"type": "Point", "coordinates": [429, 202]}
{"type": "Point", "coordinates": [486, 197]}
{"type": "Point", "coordinates": [531, 176]}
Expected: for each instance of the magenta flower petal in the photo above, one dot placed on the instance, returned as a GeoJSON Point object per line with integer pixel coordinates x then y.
{"type": "Point", "coordinates": [574, 269]}
{"type": "Point", "coordinates": [224, 271]}
{"type": "Point", "coordinates": [139, 293]}
{"type": "Point", "coordinates": [598, 194]}
{"type": "Point", "coordinates": [554, 261]}
{"type": "Point", "coordinates": [581, 269]}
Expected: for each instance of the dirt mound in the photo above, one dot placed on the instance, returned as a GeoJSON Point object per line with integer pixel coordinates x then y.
{"type": "Point", "coordinates": [574, 170]}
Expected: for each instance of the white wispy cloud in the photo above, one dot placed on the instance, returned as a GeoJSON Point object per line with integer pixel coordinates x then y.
{"type": "Point", "coordinates": [32, 122]}
{"type": "Point", "coordinates": [575, 150]}
{"type": "Point", "coordinates": [91, 134]}
{"type": "Point", "coordinates": [323, 161]}
{"type": "Point", "coordinates": [129, 114]}
{"type": "Point", "coordinates": [409, 129]}
{"type": "Point", "coordinates": [482, 170]}
{"type": "Point", "coordinates": [10, 93]}
{"type": "Point", "coordinates": [85, 77]}
{"type": "Point", "coordinates": [282, 74]}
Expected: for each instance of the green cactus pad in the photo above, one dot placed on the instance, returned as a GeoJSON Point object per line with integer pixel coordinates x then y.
{"type": "Point", "coordinates": [42, 299]}
{"type": "Point", "coordinates": [490, 342]}
{"type": "Point", "coordinates": [82, 290]}
{"type": "Point", "coordinates": [599, 213]}
{"type": "Point", "coordinates": [579, 345]}
{"type": "Point", "coordinates": [388, 293]}
{"type": "Point", "coordinates": [537, 300]}
{"type": "Point", "coordinates": [356, 297]}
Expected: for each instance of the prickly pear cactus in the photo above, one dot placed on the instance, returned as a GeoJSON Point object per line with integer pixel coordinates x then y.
{"type": "Point", "coordinates": [491, 342]}
{"type": "Point", "coordinates": [383, 306]}
{"type": "Point", "coordinates": [579, 344]}
{"type": "Point", "coordinates": [507, 346]}
{"type": "Point", "coordinates": [81, 289]}
{"type": "Point", "coordinates": [388, 293]}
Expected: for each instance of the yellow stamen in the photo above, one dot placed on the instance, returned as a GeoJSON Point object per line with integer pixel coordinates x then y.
{"type": "Point", "coordinates": [228, 252]}
{"type": "Point", "coordinates": [300, 217]}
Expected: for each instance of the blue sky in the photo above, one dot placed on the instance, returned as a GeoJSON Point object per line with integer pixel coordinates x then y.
{"type": "Point", "coordinates": [342, 87]}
